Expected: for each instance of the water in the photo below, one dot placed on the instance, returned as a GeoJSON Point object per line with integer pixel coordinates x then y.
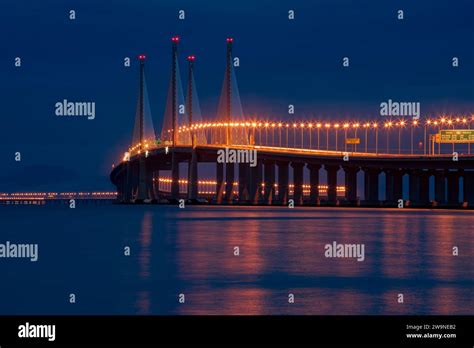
{"type": "Point", "coordinates": [191, 251]}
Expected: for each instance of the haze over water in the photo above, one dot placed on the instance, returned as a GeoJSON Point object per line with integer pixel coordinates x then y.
{"type": "Point", "coordinates": [191, 251]}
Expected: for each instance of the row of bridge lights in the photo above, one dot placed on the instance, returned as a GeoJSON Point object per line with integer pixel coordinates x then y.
{"type": "Point", "coordinates": [388, 124]}
{"type": "Point", "coordinates": [168, 180]}
{"type": "Point", "coordinates": [443, 121]}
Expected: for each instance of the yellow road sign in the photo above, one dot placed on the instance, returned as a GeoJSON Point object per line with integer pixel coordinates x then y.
{"type": "Point", "coordinates": [353, 141]}
{"type": "Point", "coordinates": [455, 136]}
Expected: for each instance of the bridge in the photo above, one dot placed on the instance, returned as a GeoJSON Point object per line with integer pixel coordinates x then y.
{"type": "Point", "coordinates": [40, 198]}
{"type": "Point", "coordinates": [425, 162]}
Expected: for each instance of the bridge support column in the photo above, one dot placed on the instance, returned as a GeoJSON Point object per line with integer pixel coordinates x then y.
{"type": "Point", "coordinates": [393, 185]}
{"type": "Point", "coordinates": [440, 186]}
{"type": "Point", "coordinates": [298, 182]}
{"type": "Point", "coordinates": [371, 183]}
{"type": "Point", "coordinates": [134, 183]}
{"type": "Point", "coordinates": [351, 184]}
{"type": "Point", "coordinates": [127, 189]}
{"type": "Point", "coordinates": [414, 186]}
{"type": "Point", "coordinates": [468, 188]}
{"type": "Point", "coordinates": [120, 188]}
{"type": "Point", "coordinates": [193, 176]}
{"type": "Point", "coordinates": [398, 185]}
{"type": "Point", "coordinates": [174, 177]}
{"type": "Point", "coordinates": [453, 187]}
{"type": "Point", "coordinates": [332, 182]}
{"type": "Point", "coordinates": [283, 182]}
{"type": "Point", "coordinates": [314, 182]}
{"type": "Point", "coordinates": [229, 186]}
{"type": "Point", "coordinates": [219, 182]}
{"type": "Point", "coordinates": [269, 180]}
{"type": "Point", "coordinates": [255, 181]}
{"type": "Point", "coordinates": [142, 193]}
{"type": "Point", "coordinates": [150, 192]}
{"type": "Point", "coordinates": [156, 184]}
{"type": "Point", "coordinates": [424, 187]}
{"type": "Point", "coordinates": [389, 186]}
{"type": "Point", "coordinates": [243, 182]}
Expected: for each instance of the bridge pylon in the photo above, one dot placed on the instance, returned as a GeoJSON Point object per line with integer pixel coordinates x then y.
{"type": "Point", "coordinates": [193, 163]}
{"type": "Point", "coordinates": [142, 192]}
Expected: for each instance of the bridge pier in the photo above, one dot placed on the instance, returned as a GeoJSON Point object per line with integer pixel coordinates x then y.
{"type": "Point", "coordinates": [229, 185]}
{"type": "Point", "coordinates": [255, 183]}
{"type": "Point", "coordinates": [120, 190]}
{"type": "Point", "coordinates": [127, 186]}
{"type": "Point", "coordinates": [283, 188]}
{"type": "Point", "coordinates": [193, 176]}
{"type": "Point", "coordinates": [314, 182]}
{"type": "Point", "coordinates": [219, 182]}
{"type": "Point", "coordinates": [371, 183]}
{"type": "Point", "coordinates": [150, 193]}
{"type": "Point", "coordinates": [156, 184]}
{"type": "Point", "coordinates": [243, 182]}
{"type": "Point", "coordinates": [440, 186]}
{"type": "Point", "coordinates": [393, 185]}
{"type": "Point", "coordinates": [424, 187]}
{"type": "Point", "coordinates": [332, 182]}
{"type": "Point", "coordinates": [453, 188]}
{"type": "Point", "coordinates": [351, 183]}
{"type": "Point", "coordinates": [468, 188]}
{"type": "Point", "coordinates": [142, 193]}
{"type": "Point", "coordinates": [134, 183]}
{"type": "Point", "coordinates": [298, 182]}
{"type": "Point", "coordinates": [269, 181]}
{"type": "Point", "coordinates": [414, 187]}
{"type": "Point", "coordinates": [174, 176]}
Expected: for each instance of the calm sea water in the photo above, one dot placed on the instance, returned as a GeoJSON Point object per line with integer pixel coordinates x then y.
{"type": "Point", "coordinates": [191, 251]}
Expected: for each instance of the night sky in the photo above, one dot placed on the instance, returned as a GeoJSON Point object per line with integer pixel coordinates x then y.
{"type": "Point", "coordinates": [281, 62]}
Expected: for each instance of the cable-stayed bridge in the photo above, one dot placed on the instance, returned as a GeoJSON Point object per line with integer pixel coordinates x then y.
{"type": "Point", "coordinates": [422, 162]}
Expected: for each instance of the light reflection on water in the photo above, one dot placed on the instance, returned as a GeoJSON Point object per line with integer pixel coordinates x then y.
{"type": "Point", "coordinates": [191, 251]}
{"type": "Point", "coordinates": [282, 252]}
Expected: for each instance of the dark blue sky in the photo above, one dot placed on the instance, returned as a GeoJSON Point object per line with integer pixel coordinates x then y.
{"type": "Point", "coordinates": [282, 62]}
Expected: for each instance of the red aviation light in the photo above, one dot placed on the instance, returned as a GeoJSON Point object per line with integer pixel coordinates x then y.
{"type": "Point", "coordinates": [141, 57]}
{"type": "Point", "coordinates": [229, 39]}
{"type": "Point", "coordinates": [191, 58]}
{"type": "Point", "coordinates": [175, 39]}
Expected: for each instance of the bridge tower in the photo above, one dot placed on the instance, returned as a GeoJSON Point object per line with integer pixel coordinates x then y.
{"type": "Point", "coordinates": [228, 89]}
{"type": "Point", "coordinates": [193, 163]}
{"type": "Point", "coordinates": [142, 182]}
{"type": "Point", "coordinates": [174, 63]}
{"type": "Point", "coordinates": [230, 175]}
{"type": "Point", "coordinates": [189, 101]}
{"type": "Point", "coordinates": [174, 123]}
